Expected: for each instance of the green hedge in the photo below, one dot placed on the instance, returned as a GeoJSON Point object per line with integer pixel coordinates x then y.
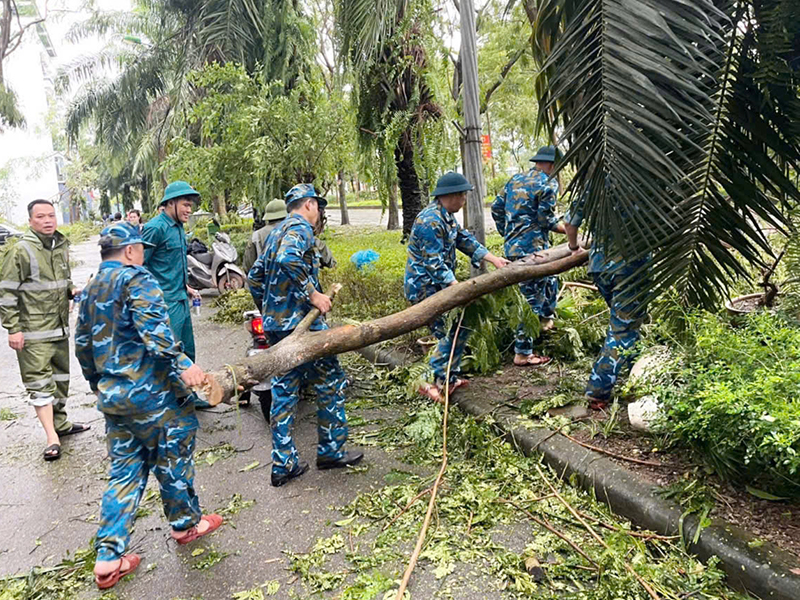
{"type": "Point", "coordinates": [737, 400]}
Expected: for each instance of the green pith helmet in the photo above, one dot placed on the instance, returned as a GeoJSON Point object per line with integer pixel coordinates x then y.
{"type": "Point", "coordinates": [179, 189]}
{"type": "Point", "coordinates": [545, 154]}
{"type": "Point", "coordinates": [452, 183]}
{"type": "Point", "coordinates": [275, 211]}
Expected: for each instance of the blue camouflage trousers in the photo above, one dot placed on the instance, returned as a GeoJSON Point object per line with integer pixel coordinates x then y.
{"type": "Point", "coordinates": [328, 379]}
{"type": "Point", "coordinates": [441, 354]}
{"type": "Point", "coordinates": [627, 316]}
{"type": "Point", "coordinates": [161, 442]}
{"type": "Point", "coordinates": [542, 295]}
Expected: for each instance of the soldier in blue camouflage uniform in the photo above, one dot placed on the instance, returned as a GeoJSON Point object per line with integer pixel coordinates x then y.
{"type": "Point", "coordinates": [525, 215]}
{"type": "Point", "coordinates": [284, 282]}
{"type": "Point", "coordinates": [431, 266]}
{"type": "Point", "coordinates": [133, 364]}
{"type": "Point", "coordinates": [627, 312]}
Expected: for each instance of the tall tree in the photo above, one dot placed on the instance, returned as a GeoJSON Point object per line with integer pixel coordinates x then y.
{"type": "Point", "coordinates": [138, 111]}
{"type": "Point", "coordinates": [12, 32]}
{"type": "Point", "coordinates": [682, 120]}
{"type": "Point", "coordinates": [384, 41]}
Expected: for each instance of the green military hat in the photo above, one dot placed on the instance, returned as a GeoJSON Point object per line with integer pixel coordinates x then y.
{"type": "Point", "coordinates": [545, 154]}
{"type": "Point", "coordinates": [452, 183]}
{"type": "Point", "coordinates": [179, 189]}
{"type": "Point", "coordinates": [276, 210]}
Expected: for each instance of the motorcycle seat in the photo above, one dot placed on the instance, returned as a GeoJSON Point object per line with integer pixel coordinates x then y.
{"type": "Point", "coordinates": [204, 257]}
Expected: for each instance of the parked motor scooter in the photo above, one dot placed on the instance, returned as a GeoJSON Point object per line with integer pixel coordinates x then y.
{"type": "Point", "coordinates": [262, 391]}
{"type": "Point", "coordinates": [215, 269]}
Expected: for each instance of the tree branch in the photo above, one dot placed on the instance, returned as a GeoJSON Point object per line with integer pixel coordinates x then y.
{"type": "Point", "coordinates": [301, 347]}
{"type": "Point", "coordinates": [501, 78]}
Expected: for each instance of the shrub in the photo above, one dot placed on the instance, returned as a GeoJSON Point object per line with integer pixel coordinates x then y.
{"type": "Point", "coordinates": [736, 401]}
{"type": "Point", "coordinates": [80, 231]}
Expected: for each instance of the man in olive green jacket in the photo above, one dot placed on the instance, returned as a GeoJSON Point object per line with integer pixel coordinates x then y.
{"type": "Point", "coordinates": [35, 290]}
{"type": "Point", "coordinates": [274, 214]}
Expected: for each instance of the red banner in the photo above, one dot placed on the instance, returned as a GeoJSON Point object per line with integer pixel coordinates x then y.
{"type": "Point", "coordinates": [486, 148]}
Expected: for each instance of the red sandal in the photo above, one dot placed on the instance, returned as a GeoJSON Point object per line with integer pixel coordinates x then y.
{"type": "Point", "coordinates": [431, 392]}
{"type": "Point", "coordinates": [214, 521]}
{"type": "Point", "coordinates": [105, 582]}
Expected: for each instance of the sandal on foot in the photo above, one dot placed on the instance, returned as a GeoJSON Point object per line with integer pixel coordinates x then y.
{"type": "Point", "coordinates": [458, 383]}
{"type": "Point", "coordinates": [76, 428]}
{"type": "Point", "coordinates": [214, 521]}
{"type": "Point", "coordinates": [532, 360]}
{"type": "Point", "coordinates": [431, 391]}
{"type": "Point", "coordinates": [598, 404]}
{"type": "Point", "coordinates": [52, 452]}
{"type": "Point", "coordinates": [105, 582]}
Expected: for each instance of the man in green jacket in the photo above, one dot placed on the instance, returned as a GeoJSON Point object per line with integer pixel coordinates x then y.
{"type": "Point", "coordinates": [167, 261]}
{"type": "Point", "coordinates": [35, 290]}
{"type": "Point", "coordinates": [274, 213]}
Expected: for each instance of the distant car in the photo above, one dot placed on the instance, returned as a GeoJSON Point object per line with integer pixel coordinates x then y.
{"type": "Point", "coordinates": [6, 231]}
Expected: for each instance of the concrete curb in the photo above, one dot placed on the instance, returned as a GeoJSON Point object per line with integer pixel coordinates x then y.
{"type": "Point", "coordinates": [758, 567]}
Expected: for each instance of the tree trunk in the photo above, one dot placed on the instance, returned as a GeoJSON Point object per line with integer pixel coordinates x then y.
{"type": "Point", "coordinates": [303, 346]}
{"type": "Point", "coordinates": [394, 217]}
{"type": "Point", "coordinates": [409, 182]}
{"type": "Point", "coordinates": [219, 206]}
{"type": "Point", "coordinates": [343, 199]}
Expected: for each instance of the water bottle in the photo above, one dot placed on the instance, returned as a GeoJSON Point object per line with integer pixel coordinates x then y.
{"type": "Point", "coordinates": [196, 306]}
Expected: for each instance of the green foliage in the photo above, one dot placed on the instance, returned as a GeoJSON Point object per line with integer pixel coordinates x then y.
{"type": "Point", "coordinates": [80, 231]}
{"type": "Point", "coordinates": [232, 305]}
{"type": "Point", "coordinates": [735, 400]}
{"type": "Point", "coordinates": [484, 474]}
{"type": "Point", "coordinates": [374, 291]}
{"type": "Point", "coordinates": [256, 139]}
{"type": "Point", "coordinates": [6, 414]}
{"type": "Point", "coordinates": [64, 581]}
{"type": "Point", "coordinates": [10, 114]}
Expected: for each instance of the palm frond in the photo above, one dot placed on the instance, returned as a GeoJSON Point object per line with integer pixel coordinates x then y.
{"type": "Point", "coordinates": [680, 148]}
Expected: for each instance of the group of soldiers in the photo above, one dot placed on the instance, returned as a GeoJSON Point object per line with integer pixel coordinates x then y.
{"type": "Point", "coordinates": [135, 344]}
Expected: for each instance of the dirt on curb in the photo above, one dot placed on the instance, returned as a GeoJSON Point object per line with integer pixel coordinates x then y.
{"type": "Point", "coordinates": [522, 388]}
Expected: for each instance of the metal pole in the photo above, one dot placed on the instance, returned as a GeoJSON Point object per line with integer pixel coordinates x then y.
{"type": "Point", "coordinates": [472, 120]}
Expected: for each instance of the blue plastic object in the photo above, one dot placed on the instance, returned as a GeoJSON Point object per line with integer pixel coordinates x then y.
{"type": "Point", "coordinates": [364, 259]}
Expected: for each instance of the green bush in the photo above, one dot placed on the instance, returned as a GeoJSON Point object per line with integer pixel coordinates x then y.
{"type": "Point", "coordinates": [736, 400]}
{"type": "Point", "coordinates": [80, 231]}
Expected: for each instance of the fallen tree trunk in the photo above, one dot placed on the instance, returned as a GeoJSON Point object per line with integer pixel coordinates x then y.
{"type": "Point", "coordinates": [303, 345]}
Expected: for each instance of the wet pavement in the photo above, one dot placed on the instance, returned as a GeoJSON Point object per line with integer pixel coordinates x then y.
{"type": "Point", "coordinates": [50, 510]}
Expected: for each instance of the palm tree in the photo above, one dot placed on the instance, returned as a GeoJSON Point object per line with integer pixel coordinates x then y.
{"type": "Point", "coordinates": [137, 112]}
{"type": "Point", "coordinates": [682, 120]}
{"type": "Point", "coordinates": [392, 98]}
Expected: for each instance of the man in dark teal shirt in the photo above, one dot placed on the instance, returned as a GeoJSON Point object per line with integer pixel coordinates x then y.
{"type": "Point", "coordinates": [167, 261]}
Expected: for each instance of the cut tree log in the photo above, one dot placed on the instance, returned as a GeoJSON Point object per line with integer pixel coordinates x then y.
{"type": "Point", "coordinates": [304, 345]}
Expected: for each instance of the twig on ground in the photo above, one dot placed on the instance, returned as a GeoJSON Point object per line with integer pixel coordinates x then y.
{"type": "Point", "coordinates": [551, 529]}
{"type": "Point", "coordinates": [648, 588]}
{"type": "Point", "coordinates": [421, 539]}
{"type": "Point", "coordinates": [648, 463]}
{"type": "Point", "coordinates": [410, 503]}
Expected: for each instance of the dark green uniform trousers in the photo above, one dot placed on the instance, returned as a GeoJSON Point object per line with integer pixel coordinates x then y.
{"type": "Point", "coordinates": [44, 367]}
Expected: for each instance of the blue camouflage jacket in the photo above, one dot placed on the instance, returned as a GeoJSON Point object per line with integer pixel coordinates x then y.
{"type": "Point", "coordinates": [431, 263]}
{"type": "Point", "coordinates": [525, 213]}
{"type": "Point", "coordinates": [167, 261]}
{"type": "Point", "coordinates": [124, 343]}
{"type": "Point", "coordinates": [598, 261]}
{"type": "Point", "coordinates": [285, 275]}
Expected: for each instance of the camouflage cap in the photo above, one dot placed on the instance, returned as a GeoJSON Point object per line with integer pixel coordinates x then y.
{"type": "Point", "coordinates": [121, 234]}
{"type": "Point", "coordinates": [304, 190]}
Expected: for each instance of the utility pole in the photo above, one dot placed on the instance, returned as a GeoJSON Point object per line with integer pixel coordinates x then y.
{"type": "Point", "coordinates": [472, 121]}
